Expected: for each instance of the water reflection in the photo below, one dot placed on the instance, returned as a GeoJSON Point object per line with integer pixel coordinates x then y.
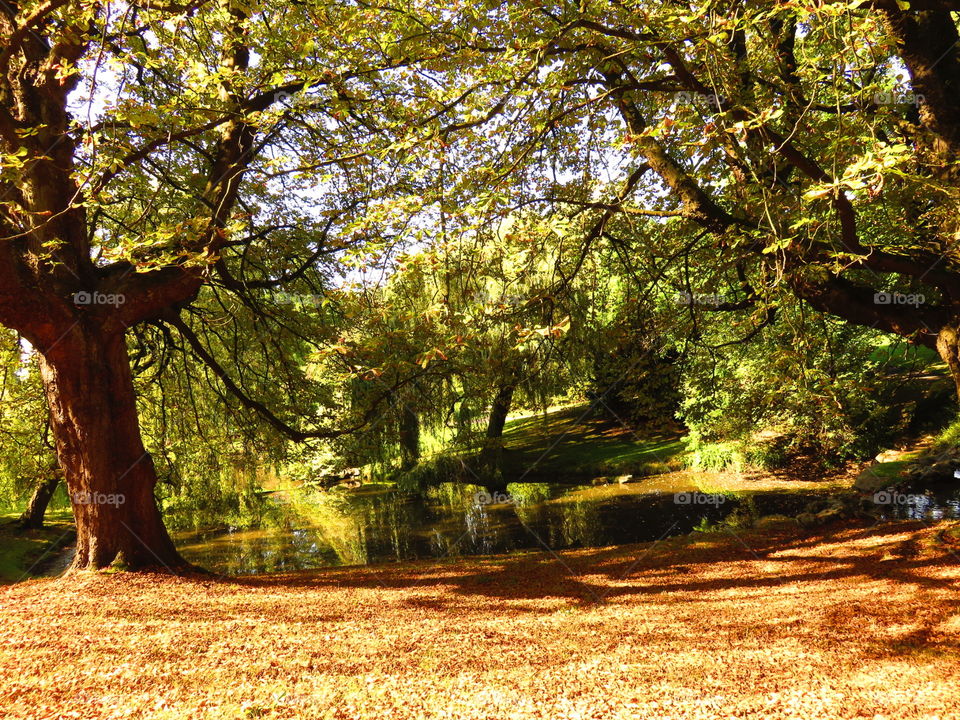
{"type": "Point", "coordinates": [311, 528]}
{"type": "Point", "coordinates": [917, 504]}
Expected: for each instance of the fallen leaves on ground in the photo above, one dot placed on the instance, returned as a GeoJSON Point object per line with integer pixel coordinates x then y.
{"type": "Point", "coordinates": [857, 623]}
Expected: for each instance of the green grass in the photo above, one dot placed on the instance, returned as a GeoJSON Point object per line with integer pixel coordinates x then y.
{"type": "Point", "coordinates": [566, 444]}
{"type": "Point", "coordinates": [948, 437]}
{"type": "Point", "coordinates": [22, 552]}
{"type": "Point", "coordinates": [897, 355]}
{"type": "Point", "coordinates": [881, 475]}
{"type": "Point", "coordinates": [718, 456]}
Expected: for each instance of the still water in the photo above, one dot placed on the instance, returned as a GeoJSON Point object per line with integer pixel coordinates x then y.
{"type": "Point", "coordinates": [307, 529]}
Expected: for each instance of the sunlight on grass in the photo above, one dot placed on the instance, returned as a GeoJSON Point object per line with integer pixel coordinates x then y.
{"type": "Point", "coordinates": [21, 551]}
{"type": "Point", "coordinates": [570, 443]}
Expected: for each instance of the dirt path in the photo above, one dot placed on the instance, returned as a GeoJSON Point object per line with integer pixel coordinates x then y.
{"type": "Point", "coordinates": [854, 623]}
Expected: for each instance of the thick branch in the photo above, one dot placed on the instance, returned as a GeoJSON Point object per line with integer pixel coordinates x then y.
{"type": "Point", "coordinates": [859, 305]}
{"type": "Point", "coordinates": [697, 204]}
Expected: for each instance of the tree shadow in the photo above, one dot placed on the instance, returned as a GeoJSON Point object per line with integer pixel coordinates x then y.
{"type": "Point", "coordinates": [598, 576]}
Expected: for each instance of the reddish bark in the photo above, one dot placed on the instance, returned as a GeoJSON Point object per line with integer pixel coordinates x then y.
{"type": "Point", "coordinates": [109, 475]}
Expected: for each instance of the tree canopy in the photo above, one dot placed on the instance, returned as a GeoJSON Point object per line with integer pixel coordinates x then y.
{"type": "Point", "coordinates": [336, 213]}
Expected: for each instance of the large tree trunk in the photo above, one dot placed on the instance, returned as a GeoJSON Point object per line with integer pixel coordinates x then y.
{"type": "Point", "coordinates": [109, 475]}
{"type": "Point", "coordinates": [32, 517]}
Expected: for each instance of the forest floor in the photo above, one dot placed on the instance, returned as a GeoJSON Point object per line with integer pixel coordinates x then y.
{"type": "Point", "coordinates": [849, 622]}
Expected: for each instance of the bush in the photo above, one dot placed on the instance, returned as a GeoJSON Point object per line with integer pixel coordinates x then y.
{"type": "Point", "coordinates": [810, 382]}
{"type": "Point", "coordinates": [716, 456]}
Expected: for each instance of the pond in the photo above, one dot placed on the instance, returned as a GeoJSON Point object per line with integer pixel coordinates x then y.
{"type": "Point", "coordinates": [310, 528]}
{"type": "Point", "coordinates": [914, 503]}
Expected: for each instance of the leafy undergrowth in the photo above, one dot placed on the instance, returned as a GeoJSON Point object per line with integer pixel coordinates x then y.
{"type": "Point", "coordinates": [855, 623]}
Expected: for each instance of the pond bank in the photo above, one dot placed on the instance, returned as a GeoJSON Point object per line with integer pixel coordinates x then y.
{"type": "Point", "coordinates": [376, 523]}
{"type": "Point", "coordinates": [307, 528]}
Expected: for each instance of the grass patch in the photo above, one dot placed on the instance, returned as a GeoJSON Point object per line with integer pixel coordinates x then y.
{"type": "Point", "coordinates": [889, 471]}
{"type": "Point", "coordinates": [949, 437]}
{"type": "Point", "coordinates": [571, 444]}
{"type": "Point", "coordinates": [935, 462]}
{"type": "Point", "coordinates": [718, 456]}
{"type": "Point", "coordinates": [901, 356]}
{"type": "Point", "coordinates": [24, 552]}
{"type": "Point", "coordinates": [567, 445]}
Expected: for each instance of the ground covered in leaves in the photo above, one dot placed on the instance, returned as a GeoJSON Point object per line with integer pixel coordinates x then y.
{"type": "Point", "coordinates": [854, 622]}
